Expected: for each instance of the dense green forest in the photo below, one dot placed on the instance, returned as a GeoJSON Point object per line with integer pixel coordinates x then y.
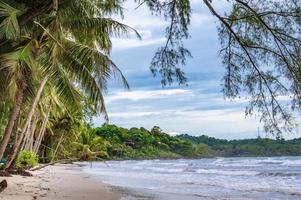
{"type": "Point", "coordinates": [113, 142]}
{"type": "Point", "coordinates": [247, 147]}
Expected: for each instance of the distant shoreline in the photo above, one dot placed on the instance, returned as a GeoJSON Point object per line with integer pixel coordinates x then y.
{"type": "Point", "coordinates": [198, 158]}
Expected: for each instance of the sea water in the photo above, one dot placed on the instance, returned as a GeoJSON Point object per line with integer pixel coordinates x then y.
{"type": "Point", "coordinates": [218, 178]}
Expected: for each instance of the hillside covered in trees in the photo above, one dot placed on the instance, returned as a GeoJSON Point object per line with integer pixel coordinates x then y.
{"type": "Point", "coordinates": [113, 142]}
{"type": "Point", "coordinates": [247, 147]}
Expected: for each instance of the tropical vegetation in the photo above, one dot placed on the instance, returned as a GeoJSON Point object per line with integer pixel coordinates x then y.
{"type": "Point", "coordinates": [248, 147]}
{"type": "Point", "coordinates": [112, 142]}
{"type": "Point", "coordinates": [55, 64]}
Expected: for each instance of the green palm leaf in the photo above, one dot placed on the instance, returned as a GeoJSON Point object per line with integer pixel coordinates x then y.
{"type": "Point", "coordinates": [9, 27]}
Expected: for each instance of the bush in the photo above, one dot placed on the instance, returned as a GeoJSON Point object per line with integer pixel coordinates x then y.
{"type": "Point", "coordinates": [27, 159]}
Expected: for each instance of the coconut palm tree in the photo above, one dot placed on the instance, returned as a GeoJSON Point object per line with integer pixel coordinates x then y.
{"type": "Point", "coordinates": [69, 45]}
{"type": "Point", "coordinates": [90, 145]}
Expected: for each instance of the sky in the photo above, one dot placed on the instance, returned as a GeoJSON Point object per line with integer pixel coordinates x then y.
{"type": "Point", "coordinates": [197, 109]}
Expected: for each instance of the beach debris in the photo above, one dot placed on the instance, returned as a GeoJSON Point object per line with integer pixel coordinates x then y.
{"type": "Point", "coordinates": [3, 185]}
{"type": "Point", "coordinates": [64, 161]}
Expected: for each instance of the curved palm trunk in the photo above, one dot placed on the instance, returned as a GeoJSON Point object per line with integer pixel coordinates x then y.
{"type": "Point", "coordinates": [57, 147]}
{"type": "Point", "coordinates": [12, 160]}
{"type": "Point", "coordinates": [26, 129]}
{"type": "Point", "coordinates": [42, 132]}
{"type": "Point", "coordinates": [13, 116]}
{"type": "Point", "coordinates": [29, 142]}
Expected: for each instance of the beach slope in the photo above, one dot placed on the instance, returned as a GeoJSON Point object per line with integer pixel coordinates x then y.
{"type": "Point", "coordinates": [60, 182]}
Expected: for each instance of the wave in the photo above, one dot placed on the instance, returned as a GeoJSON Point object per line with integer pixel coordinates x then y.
{"type": "Point", "coordinates": [227, 172]}
{"type": "Point", "coordinates": [292, 163]}
{"type": "Point", "coordinates": [281, 174]}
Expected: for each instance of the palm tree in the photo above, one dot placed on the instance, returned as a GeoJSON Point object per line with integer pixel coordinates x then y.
{"type": "Point", "coordinates": [69, 46]}
{"type": "Point", "coordinates": [90, 145]}
{"type": "Point", "coordinates": [17, 63]}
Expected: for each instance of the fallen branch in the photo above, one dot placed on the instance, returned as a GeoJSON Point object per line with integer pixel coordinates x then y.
{"type": "Point", "coordinates": [20, 172]}
{"type": "Point", "coordinates": [64, 161]}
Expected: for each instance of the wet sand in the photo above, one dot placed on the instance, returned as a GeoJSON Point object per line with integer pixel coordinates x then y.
{"type": "Point", "coordinates": [59, 182]}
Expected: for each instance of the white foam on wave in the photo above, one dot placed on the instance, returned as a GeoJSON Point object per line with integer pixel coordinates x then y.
{"type": "Point", "coordinates": [292, 163]}
{"type": "Point", "coordinates": [226, 172]}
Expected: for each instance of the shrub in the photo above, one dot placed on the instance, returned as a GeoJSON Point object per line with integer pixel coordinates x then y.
{"type": "Point", "coordinates": [27, 159]}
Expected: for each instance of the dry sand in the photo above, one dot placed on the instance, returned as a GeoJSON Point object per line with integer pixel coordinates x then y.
{"type": "Point", "coordinates": [60, 182]}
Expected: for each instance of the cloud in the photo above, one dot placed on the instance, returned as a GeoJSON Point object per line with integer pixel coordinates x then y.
{"type": "Point", "coordinates": [142, 21]}
{"type": "Point", "coordinates": [141, 18]}
{"type": "Point", "coordinates": [173, 133]}
{"type": "Point", "coordinates": [138, 95]}
{"type": "Point", "coordinates": [223, 123]}
{"type": "Point", "coordinates": [131, 115]}
{"type": "Point", "coordinates": [123, 44]}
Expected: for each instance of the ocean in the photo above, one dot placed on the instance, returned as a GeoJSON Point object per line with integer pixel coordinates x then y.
{"type": "Point", "coordinates": [219, 178]}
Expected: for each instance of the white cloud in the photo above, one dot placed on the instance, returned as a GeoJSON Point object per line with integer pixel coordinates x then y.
{"type": "Point", "coordinates": [147, 94]}
{"type": "Point", "coordinates": [122, 44]}
{"type": "Point", "coordinates": [173, 133]}
{"type": "Point", "coordinates": [224, 123]}
{"type": "Point", "coordinates": [145, 23]}
{"type": "Point", "coordinates": [141, 18]}
{"type": "Point", "coordinates": [131, 115]}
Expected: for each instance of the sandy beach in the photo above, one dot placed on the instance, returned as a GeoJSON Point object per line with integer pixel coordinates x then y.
{"type": "Point", "coordinates": [59, 182]}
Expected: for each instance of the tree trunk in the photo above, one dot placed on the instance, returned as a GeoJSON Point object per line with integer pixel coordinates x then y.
{"type": "Point", "coordinates": [29, 141]}
{"type": "Point", "coordinates": [26, 128]}
{"type": "Point", "coordinates": [13, 116]}
{"type": "Point", "coordinates": [42, 132]}
{"type": "Point", "coordinates": [57, 147]}
{"type": "Point", "coordinates": [17, 148]}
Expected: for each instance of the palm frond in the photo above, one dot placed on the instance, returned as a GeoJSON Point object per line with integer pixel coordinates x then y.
{"type": "Point", "coordinates": [98, 63]}
{"type": "Point", "coordinates": [9, 27]}
{"type": "Point", "coordinates": [99, 30]}
{"type": "Point", "coordinates": [13, 60]}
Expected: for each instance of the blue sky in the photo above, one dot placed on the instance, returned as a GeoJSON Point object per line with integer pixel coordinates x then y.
{"type": "Point", "coordinates": [198, 108]}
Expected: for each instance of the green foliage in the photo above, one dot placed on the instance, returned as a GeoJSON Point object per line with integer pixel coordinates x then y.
{"type": "Point", "coordinates": [89, 146]}
{"type": "Point", "coordinates": [247, 147]}
{"type": "Point", "coordinates": [136, 143]}
{"type": "Point", "coordinates": [139, 143]}
{"type": "Point", "coordinates": [9, 27]}
{"type": "Point", "coordinates": [113, 142]}
{"type": "Point", "coordinates": [27, 159]}
{"type": "Point", "coordinates": [69, 44]}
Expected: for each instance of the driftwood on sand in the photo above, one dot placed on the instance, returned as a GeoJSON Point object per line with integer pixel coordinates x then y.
{"type": "Point", "coordinates": [64, 161]}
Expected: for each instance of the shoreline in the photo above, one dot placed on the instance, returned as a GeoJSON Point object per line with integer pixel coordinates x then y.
{"type": "Point", "coordinates": [59, 182]}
